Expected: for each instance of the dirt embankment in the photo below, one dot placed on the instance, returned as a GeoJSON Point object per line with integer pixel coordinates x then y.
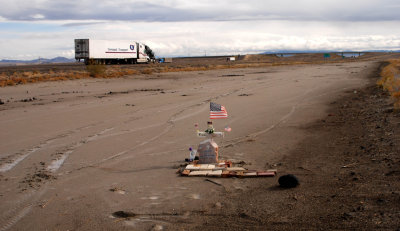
{"type": "Point", "coordinates": [349, 169]}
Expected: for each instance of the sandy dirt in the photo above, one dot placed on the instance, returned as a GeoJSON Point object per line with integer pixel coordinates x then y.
{"type": "Point", "coordinates": [73, 153]}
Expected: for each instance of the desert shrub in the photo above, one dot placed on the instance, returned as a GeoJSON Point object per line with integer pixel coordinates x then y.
{"type": "Point", "coordinates": [147, 71]}
{"type": "Point", "coordinates": [10, 82]}
{"type": "Point", "coordinates": [130, 72]}
{"type": "Point", "coordinates": [96, 70]}
{"type": "Point", "coordinates": [390, 80]}
{"type": "Point", "coordinates": [27, 74]}
{"type": "Point", "coordinates": [19, 80]}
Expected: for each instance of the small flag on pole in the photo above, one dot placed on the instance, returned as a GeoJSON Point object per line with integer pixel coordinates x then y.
{"type": "Point", "coordinates": [217, 111]}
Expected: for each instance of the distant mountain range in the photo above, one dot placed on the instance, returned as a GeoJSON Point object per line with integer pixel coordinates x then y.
{"type": "Point", "coordinates": [37, 61]}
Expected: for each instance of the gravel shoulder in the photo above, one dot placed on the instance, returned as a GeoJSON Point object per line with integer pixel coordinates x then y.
{"type": "Point", "coordinates": [348, 166]}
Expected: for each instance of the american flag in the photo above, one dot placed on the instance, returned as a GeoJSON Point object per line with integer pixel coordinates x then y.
{"type": "Point", "coordinates": [217, 111]}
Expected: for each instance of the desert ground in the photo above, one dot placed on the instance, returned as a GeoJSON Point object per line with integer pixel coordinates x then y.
{"type": "Point", "coordinates": [75, 153]}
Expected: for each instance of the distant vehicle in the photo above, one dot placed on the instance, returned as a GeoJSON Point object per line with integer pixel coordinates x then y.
{"type": "Point", "coordinates": [165, 60]}
{"type": "Point", "coordinates": [112, 52]}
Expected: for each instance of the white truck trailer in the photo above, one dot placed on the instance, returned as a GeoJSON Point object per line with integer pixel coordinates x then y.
{"type": "Point", "coordinates": [112, 52]}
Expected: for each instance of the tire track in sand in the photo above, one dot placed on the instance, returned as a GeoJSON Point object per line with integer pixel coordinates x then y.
{"type": "Point", "coordinates": [23, 207]}
{"type": "Point", "coordinates": [14, 159]}
{"type": "Point", "coordinates": [58, 162]}
{"type": "Point", "coordinates": [28, 201]}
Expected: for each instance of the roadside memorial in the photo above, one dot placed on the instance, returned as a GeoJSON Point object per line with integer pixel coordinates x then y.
{"type": "Point", "coordinates": [208, 149]}
{"type": "Point", "coordinates": [207, 162]}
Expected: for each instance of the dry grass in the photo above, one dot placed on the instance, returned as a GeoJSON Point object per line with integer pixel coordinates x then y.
{"type": "Point", "coordinates": [10, 78]}
{"type": "Point", "coordinates": [93, 71]}
{"type": "Point", "coordinates": [102, 71]}
{"type": "Point", "coordinates": [390, 80]}
{"type": "Point", "coordinates": [96, 71]}
{"type": "Point", "coordinates": [147, 71]}
{"type": "Point", "coordinates": [15, 78]}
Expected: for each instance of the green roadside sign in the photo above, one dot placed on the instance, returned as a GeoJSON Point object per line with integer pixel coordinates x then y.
{"type": "Point", "coordinates": [327, 55]}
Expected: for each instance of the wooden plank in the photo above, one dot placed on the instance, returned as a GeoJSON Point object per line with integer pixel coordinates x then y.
{"type": "Point", "coordinates": [207, 166]}
{"type": "Point", "coordinates": [199, 173]}
{"type": "Point", "coordinates": [216, 173]}
{"type": "Point", "coordinates": [266, 174]}
{"type": "Point", "coordinates": [236, 169]}
{"type": "Point", "coordinates": [249, 174]}
{"type": "Point", "coordinates": [192, 167]}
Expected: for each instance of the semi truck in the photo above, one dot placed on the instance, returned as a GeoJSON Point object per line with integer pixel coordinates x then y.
{"type": "Point", "coordinates": [112, 52]}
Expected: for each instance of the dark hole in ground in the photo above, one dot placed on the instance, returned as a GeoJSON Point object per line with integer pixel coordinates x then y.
{"type": "Point", "coordinates": [123, 214]}
{"type": "Point", "coordinates": [230, 75]}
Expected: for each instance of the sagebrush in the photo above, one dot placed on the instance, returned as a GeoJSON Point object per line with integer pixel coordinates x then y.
{"type": "Point", "coordinates": [390, 80]}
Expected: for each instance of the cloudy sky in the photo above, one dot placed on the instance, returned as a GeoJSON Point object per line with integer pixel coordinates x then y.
{"type": "Point", "coordinates": [45, 28]}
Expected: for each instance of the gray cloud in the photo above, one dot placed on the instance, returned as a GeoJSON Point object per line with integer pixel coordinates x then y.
{"type": "Point", "coordinates": [77, 24]}
{"type": "Point", "coordinates": [179, 27]}
{"type": "Point", "coordinates": [203, 10]}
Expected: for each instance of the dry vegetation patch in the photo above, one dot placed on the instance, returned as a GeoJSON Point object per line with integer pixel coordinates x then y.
{"type": "Point", "coordinates": [96, 70]}
{"type": "Point", "coordinates": [18, 77]}
{"type": "Point", "coordinates": [390, 80]}
{"type": "Point", "coordinates": [10, 76]}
